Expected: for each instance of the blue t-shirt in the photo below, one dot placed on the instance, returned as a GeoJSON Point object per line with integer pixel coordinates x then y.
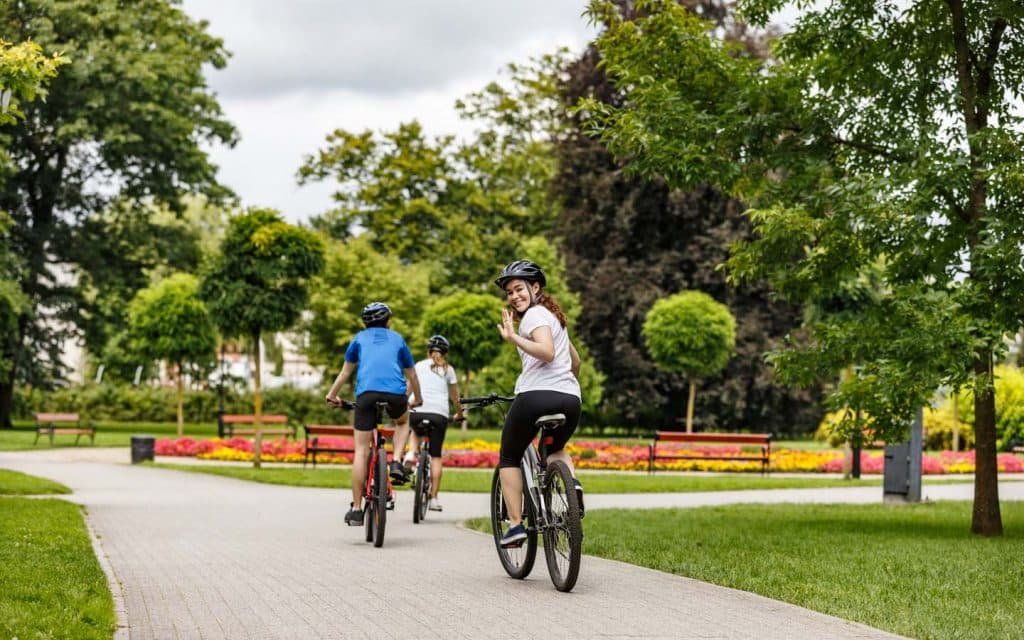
{"type": "Point", "coordinates": [380, 355]}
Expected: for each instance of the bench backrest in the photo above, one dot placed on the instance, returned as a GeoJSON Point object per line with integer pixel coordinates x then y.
{"type": "Point", "coordinates": [720, 438]}
{"type": "Point", "coordinates": [339, 430]}
{"type": "Point", "coordinates": [251, 419]}
{"type": "Point", "coordinates": [57, 417]}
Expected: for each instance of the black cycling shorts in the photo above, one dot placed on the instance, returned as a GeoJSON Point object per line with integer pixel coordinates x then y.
{"type": "Point", "coordinates": [366, 408]}
{"type": "Point", "coordinates": [521, 428]}
{"type": "Point", "coordinates": [435, 430]}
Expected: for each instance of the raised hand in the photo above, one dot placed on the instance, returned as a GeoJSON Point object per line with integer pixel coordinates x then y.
{"type": "Point", "coordinates": [506, 329]}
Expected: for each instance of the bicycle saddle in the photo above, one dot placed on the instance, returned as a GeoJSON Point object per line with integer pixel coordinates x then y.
{"type": "Point", "coordinates": [552, 421]}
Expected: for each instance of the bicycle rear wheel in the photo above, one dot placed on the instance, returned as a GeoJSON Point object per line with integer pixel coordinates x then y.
{"type": "Point", "coordinates": [517, 561]}
{"type": "Point", "coordinates": [380, 497]}
{"type": "Point", "coordinates": [421, 488]}
{"type": "Point", "coordinates": [563, 535]}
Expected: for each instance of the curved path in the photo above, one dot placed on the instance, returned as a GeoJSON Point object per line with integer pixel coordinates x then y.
{"type": "Point", "coordinates": [200, 556]}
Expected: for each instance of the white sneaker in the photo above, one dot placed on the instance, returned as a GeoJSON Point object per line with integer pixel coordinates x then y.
{"type": "Point", "coordinates": [409, 461]}
{"type": "Point", "coordinates": [434, 505]}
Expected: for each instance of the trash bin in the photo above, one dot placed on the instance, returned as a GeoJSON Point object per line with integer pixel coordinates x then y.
{"type": "Point", "coordinates": [142, 448]}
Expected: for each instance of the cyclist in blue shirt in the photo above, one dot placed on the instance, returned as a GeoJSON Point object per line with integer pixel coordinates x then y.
{"type": "Point", "coordinates": [382, 362]}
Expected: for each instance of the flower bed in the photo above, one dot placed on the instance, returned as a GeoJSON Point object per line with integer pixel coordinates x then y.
{"type": "Point", "coordinates": [590, 454]}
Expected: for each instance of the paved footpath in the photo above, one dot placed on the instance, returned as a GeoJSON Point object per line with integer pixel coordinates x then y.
{"type": "Point", "coordinates": [200, 556]}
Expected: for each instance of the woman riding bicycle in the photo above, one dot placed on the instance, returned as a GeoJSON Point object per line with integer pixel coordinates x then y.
{"type": "Point", "coordinates": [379, 357]}
{"type": "Point", "coordinates": [438, 384]}
{"type": "Point", "coordinates": [547, 384]}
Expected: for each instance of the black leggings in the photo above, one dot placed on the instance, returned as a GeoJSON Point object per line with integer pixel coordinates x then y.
{"type": "Point", "coordinates": [437, 429]}
{"type": "Point", "coordinates": [521, 428]}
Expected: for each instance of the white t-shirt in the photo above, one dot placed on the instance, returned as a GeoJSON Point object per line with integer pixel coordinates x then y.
{"type": "Point", "coordinates": [434, 387]}
{"type": "Point", "coordinates": [538, 375]}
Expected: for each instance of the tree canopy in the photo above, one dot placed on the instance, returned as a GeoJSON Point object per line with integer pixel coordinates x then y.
{"type": "Point", "coordinates": [128, 118]}
{"type": "Point", "coordinates": [877, 134]}
{"type": "Point", "coordinates": [168, 321]}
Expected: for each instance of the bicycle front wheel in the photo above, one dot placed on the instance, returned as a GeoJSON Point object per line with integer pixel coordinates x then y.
{"type": "Point", "coordinates": [380, 497]}
{"type": "Point", "coordinates": [517, 561]}
{"type": "Point", "coordinates": [421, 488]}
{"type": "Point", "coordinates": [563, 535]}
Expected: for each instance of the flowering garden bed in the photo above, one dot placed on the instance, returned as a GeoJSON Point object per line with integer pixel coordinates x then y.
{"type": "Point", "coordinates": [589, 454]}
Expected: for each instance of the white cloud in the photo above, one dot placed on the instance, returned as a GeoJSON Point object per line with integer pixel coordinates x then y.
{"type": "Point", "coordinates": [303, 68]}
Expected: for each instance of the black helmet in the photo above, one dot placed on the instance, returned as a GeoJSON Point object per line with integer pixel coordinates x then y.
{"type": "Point", "coordinates": [375, 312]}
{"type": "Point", "coordinates": [521, 270]}
{"type": "Point", "coordinates": [438, 343]}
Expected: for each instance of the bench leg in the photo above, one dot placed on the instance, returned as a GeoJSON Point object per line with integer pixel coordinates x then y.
{"type": "Point", "coordinates": [51, 436]}
{"type": "Point", "coordinates": [34, 442]}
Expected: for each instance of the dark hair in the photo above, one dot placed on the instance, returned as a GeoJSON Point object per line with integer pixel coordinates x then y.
{"type": "Point", "coordinates": [545, 300]}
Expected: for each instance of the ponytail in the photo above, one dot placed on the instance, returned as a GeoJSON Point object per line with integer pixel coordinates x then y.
{"type": "Point", "coordinates": [551, 305]}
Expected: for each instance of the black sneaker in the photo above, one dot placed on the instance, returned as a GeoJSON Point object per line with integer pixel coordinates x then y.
{"type": "Point", "coordinates": [579, 495]}
{"type": "Point", "coordinates": [354, 517]}
{"type": "Point", "coordinates": [514, 537]}
{"type": "Point", "coordinates": [398, 475]}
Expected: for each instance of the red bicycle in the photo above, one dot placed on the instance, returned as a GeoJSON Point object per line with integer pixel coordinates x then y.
{"type": "Point", "coordinates": [378, 495]}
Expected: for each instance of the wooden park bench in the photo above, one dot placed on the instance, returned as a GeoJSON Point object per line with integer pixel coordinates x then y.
{"type": "Point", "coordinates": [762, 440]}
{"type": "Point", "coordinates": [1018, 449]}
{"type": "Point", "coordinates": [63, 424]}
{"type": "Point", "coordinates": [231, 431]}
{"type": "Point", "coordinates": [315, 431]}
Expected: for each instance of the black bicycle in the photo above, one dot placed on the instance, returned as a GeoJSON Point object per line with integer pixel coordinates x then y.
{"type": "Point", "coordinates": [423, 483]}
{"type": "Point", "coordinates": [550, 507]}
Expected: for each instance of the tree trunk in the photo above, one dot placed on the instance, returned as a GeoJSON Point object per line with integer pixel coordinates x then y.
{"type": "Point", "coordinates": [956, 422]}
{"type": "Point", "coordinates": [258, 405]}
{"type": "Point", "coordinates": [986, 519]}
{"type": "Point", "coordinates": [689, 406]}
{"type": "Point", "coordinates": [181, 401]}
{"type": "Point", "coordinates": [6, 402]}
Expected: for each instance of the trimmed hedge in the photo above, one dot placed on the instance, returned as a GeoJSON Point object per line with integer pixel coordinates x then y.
{"type": "Point", "coordinates": [156, 404]}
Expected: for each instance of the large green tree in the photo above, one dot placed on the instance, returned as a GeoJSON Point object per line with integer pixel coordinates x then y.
{"type": "Point", "coordinates": [168, 321]}
{"type": "Point", "coordinates": [127, 118]}
{"type": "Point", "coordinates": [629, 240]}
{"type": "Point", "coordinates": [259, 283]}
{"type": "Point", "coordinates": [462, 206]}
{"type": "Point", "coordinates": [881, 132]}
{"type": "Point", "coordinates": [355, 275]}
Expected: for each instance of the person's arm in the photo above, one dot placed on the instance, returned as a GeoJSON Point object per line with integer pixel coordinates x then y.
{"type": "Point", "coordinates": [540, 344]}
{"type": "Point", "coordinates": [414, 386]}
{"type": "Point", "coordinates": [346, 372]}
{"type": "Point", "coordinates": [453, 393]}
{"type": "Point", "coordinates": [574, 356]}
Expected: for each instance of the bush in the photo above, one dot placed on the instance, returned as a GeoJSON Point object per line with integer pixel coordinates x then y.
{"type": "Point", "coordinates": [1009, 385]}
{"type": "Point", "coordinates": [157, 404]}
{"type": "Point", "coordinates": [938, 430]}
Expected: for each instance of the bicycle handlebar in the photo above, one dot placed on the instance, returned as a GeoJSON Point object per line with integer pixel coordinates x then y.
{"type": "Point", "coordinates": [486, 400]}
{"type": "Point", "coordinates": [344, 404]}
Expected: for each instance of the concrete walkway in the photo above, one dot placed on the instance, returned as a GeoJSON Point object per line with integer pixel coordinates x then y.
{"type": "Point", "coordinates": [200, 556]}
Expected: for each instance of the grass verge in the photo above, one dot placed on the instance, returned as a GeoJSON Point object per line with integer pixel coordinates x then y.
{"type": "Point", "coordinates": [53, 585]}
{"type": "Point", "coordinates": [912, 570]}
{"type": "Point", "coordinates": [479, 480]}
{"type": "Point", "coordinates": [15, 483]}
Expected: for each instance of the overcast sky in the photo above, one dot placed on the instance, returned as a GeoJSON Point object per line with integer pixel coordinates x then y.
{"type": "Point", "coordinates": [302, 68]}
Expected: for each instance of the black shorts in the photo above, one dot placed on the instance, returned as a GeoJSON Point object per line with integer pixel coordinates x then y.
{"type": "Point", "coordinates": [521, 428]}
{"type": "Point", "coordinates": [366, 408]}
{"type": "Point", "coordinates": [435, 431]}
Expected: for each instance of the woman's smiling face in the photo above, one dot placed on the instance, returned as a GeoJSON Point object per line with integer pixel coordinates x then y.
{"type": "Point", "coordinates": [520, 294]}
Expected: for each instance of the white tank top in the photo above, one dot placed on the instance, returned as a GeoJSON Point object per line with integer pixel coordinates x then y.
{"type": "Point", "coordinates": [538, 375]}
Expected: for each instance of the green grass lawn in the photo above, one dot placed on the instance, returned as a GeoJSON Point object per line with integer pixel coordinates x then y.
{"type": "Point", "coordinates": [52, 585]}
{"type": "Point", "coordinates": [912, 570]}
{"type": "Point", "coordinates": [479, 480]}
{"type": "Point", "coordinates": [15, 483]}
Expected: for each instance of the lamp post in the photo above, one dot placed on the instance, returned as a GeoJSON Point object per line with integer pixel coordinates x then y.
{"type": "Point", "coordinates": [220, 412]}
